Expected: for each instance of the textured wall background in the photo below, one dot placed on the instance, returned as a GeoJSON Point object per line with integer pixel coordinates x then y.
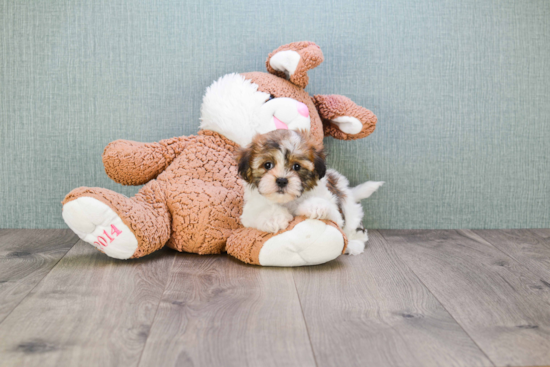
{"type": "Point", "coordinates": [461, 89]}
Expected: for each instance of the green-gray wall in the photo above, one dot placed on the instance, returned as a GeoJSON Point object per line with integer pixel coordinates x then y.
{"type": "Point", "coordinates": [461, 90]}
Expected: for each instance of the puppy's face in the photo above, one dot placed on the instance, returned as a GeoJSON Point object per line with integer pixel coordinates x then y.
{"type": "Point", "coordinates": [282, 164]}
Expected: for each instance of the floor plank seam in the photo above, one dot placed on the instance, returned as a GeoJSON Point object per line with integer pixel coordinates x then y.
{"type": "Point", "coordinates": [305, 321]}
{"type": "Point", "coordinates": [507, 254]}
{"type": "Point", "coordinates": [41, 280]}
{"type": "Point", "coordinates": [439, 301]}
{"type": "Point", "coordinates": [156, 311]}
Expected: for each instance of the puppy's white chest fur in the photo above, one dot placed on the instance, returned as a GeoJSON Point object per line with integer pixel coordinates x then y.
{"type": "Point", "coordinates": [261, 213]}
{"type": "Point", "coordinates": [264, 214]}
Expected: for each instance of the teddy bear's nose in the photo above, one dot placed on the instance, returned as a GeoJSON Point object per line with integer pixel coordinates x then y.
{"type": "Point", "coordinates": [302, 109]}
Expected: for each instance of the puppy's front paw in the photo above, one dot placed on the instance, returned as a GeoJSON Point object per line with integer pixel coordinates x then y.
{"type": "Point", "coordinates": [315, 209]}
{"type": "Point", "coordinates": [275, 222]}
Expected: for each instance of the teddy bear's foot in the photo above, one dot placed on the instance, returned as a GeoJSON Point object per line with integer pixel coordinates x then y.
{"type": "Point", "coordinates": [97, 224]}
{"type": "Point", "coordinates": [310, 242]}
{"type": "Point", "coordinates": [304, 242]}
{"type": "Point", "coordinates": [119, 226]}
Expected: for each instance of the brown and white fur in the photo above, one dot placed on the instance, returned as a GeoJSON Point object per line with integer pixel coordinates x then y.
{"type": "Point", "coordinates": [285, 175]}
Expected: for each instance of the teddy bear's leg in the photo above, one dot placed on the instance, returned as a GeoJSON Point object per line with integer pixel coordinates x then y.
{"type": "Point", "coordinates": [304, 242]}
{"type": "Point", "coordinates": [120, 227]}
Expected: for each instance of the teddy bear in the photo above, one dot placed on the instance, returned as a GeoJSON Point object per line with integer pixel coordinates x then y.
{"type": "Point", "coordinates": [192, 196]}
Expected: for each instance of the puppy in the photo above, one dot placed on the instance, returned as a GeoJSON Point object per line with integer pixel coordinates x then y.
{"type": "Point", "coordinates": [285, 175]}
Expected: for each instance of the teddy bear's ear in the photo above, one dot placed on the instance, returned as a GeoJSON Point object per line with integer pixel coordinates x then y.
{"type": "Point", "coordinates": [343, 119]}
{"type": "Point", "coordinates": [292, 61]}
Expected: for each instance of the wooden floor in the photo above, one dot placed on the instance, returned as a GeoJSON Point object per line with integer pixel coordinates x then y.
{"type": "Point", "coordinates": [414, 298]}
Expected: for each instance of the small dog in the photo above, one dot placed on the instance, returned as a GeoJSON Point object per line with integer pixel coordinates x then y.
{"type": "Point", "coordinates": [285, 175]}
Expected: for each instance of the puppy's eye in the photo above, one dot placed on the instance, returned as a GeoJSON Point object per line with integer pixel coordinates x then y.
{"type": "Point", "coordinates": [268, 165]}
{"type": "Point", "coordinates": [296, 167]}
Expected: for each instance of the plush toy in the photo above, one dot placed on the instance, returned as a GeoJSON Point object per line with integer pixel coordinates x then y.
{"type": "Point", "coordinates": [192, 198]}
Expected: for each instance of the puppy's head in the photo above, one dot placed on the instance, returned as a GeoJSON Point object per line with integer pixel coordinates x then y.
{"type": "Point", "coordinates": [282, 164]}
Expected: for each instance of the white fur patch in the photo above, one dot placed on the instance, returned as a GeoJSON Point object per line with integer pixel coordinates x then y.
{"type": "Point", "coordinates": [353, 211]}
{"type": "Point", "coordinates": [286, 110]}
{"type": "Point", "coordinates": [348, 124]}
{"type": "Point", "coordinates": [263, 214]}
{"type": "Point", "coordinates": [365, 189]}
{"type": "Point", "coordinates": [320, 208]}
{"type": "Point", "coordinates": [355, 247]}
{"type": "Point", "coordinates": [97, 224]}
{"type": "Point", "coordinates": [233, 107]}
{"type": "Point", "coordinates": [310, 242]}
{"type": "Point", "coordinates": [285, 61]}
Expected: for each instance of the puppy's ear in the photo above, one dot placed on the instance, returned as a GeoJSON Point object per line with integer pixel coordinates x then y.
{"type": "Point", "coordinates": [319, 163]}
{"type": "Point", "coordinates": [243, 157]}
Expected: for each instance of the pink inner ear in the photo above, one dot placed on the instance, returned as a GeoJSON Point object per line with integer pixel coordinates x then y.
{"type": "Point", "coordinates": [279, 124]}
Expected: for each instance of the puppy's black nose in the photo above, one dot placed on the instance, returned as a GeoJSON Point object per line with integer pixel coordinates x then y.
{"type": "Point", "coordinates": [281, 182]}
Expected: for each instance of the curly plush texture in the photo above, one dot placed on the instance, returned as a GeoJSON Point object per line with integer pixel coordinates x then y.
{"type": "Point", "coordinates": [310, 57]}
{"type": "Point", "coordinates": [132, 163]}
{"type": "Point", "coordinates": [333, 106]}
{"type": "Point", "coordinates": [204, 194]}
{"type": "Point", "coordinates": [192, 199]}
{"type": "Point", "coordinates": [195, 204]}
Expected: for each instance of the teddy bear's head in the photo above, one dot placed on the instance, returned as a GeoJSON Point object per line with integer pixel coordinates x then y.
{"type": "Point", "coordinates": [239, 106]}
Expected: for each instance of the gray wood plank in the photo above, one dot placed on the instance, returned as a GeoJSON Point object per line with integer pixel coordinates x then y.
{"type": "Point", "coordinates": [217, 311]}
{"type": "Point", "coordinates": [529, 247]}
{"type": "Point", "coordinates": [26, 257]}
{"type": "Point", "coordinates": [495, 299]}
{"type": "Point", "coordinates": [89, 310]}
{"type": "Point", "coordinates": [544, 233]}
{"type": "Point", "coordinates": [371, 310]}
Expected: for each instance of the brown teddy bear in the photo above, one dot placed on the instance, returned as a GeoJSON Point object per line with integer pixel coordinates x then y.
{"type": "Point", "coordinates": [192, 198]}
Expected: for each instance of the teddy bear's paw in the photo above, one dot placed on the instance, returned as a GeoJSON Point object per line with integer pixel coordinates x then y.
{"type": "Point", "coordinates": [348, 124]}
{"type": "Point", "coordinates": [97, 224]}
{"type": "Point", "coordinates": [310, 242]}
{"type": "Point", "coordinates": [355, 247]}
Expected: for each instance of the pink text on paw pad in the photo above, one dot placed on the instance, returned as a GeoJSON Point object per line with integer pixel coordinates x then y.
{"type": "Point", "coordinates": [101, 241]}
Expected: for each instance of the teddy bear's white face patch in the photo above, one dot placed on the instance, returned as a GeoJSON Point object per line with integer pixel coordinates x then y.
{"type": "Point", "coordinates": [285, 113]}
{"type": "Point", "coordinates": [233, 107]}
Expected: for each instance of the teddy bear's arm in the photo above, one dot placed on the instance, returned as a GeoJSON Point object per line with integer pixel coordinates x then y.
{"type": "Point", "coordinates": [132, 163]}
{"type": "Point", "coordinates": [343, 119]}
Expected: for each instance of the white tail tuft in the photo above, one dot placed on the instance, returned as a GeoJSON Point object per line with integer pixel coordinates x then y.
{"type": "Point", "coordinates": [365, 190]}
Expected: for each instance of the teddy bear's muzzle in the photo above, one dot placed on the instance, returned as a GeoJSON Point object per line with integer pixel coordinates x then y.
{"type": "Point", "coordinates": [286, 113]}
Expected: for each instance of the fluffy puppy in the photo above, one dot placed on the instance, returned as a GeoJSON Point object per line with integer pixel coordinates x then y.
{"type": "Point", "coordinates": [285, 175]}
